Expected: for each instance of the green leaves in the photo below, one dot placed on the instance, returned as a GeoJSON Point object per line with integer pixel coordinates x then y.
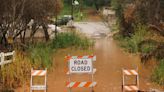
{"type": "Point", "coordinates": [71, 39]}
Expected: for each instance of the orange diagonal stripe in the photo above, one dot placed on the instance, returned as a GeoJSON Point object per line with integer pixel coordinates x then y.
{"type": "Point", "coordinates": [87, 84]}
{"type": "Point", "coordinates": [67, 83]}
{"type": "Point", "coordinates": [76, 84]}
{"type": "Point", "coordinates": [80, 56]}
{"type": "Point", "coordinates": [32, 72]}
{"type": "Point", "coordinates": [131, 72]}
{"type": "Point", "coordinates": [90, 56]}
{"type": "Point", "coordinates": [67, 58]}
{"type": "Point", "coordinates": [40, 71]}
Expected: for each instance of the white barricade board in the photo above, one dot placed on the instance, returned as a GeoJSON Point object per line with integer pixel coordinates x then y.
{"type": "Point", "coordinates": [80, 66]}
{"type": "Point", "coordinates": [6, 58]}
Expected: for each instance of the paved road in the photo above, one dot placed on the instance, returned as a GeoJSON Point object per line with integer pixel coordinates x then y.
{"type": "Point", "coordinates": [92, 29]}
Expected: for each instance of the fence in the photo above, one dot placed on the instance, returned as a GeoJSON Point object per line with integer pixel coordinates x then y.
{"type": "Point", "coordinates": [6, 58]}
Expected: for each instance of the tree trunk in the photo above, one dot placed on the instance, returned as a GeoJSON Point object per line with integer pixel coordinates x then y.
{"type": "Point", "coordinates": [45, 32]}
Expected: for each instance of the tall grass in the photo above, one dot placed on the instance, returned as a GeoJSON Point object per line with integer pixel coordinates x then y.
{"type": "Point", "coordinates": [158, 75]}
{"type": "Point", "coordinates": [16, 73]}
{"type": "Point", "coordinates": [40, 55]}
{"type": "Point", "coordinates": [71, 39]}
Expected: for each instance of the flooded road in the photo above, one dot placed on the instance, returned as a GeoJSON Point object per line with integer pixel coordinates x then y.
{"type": "Point", "coordinates": [110, 61]}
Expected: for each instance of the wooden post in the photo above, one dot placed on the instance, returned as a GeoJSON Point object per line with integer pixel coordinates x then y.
{"type": "Point", "coordinates": [2, 59]}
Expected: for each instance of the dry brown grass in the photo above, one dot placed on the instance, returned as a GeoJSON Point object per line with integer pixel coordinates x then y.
{"type": "Point", "coordinates": [16, 73]}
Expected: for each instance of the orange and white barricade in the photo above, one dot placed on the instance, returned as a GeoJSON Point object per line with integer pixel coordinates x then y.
{"type": "Point", "coordinates": [81, 65]}
{"type": "Point", "coordinates": [93, 57]}
{"type": "Point", "coordinates": [130, 87]}
{"type": "Point", "coordinates": [38, 73]}
{"type": "Point", "coordinates": [81, 84]}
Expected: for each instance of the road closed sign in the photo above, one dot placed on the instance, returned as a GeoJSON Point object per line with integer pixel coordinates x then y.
{"type": "Point", "coordinates": [80, 66]}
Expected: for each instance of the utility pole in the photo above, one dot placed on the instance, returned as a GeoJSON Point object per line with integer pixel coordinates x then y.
{"type": "Point", "coordinates": [56, 17]}
{"type": "Point", "coordinates": [72, 1]}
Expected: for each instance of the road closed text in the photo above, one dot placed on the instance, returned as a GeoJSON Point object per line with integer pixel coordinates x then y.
{"type": "Point", "coordinates": [80, 66]}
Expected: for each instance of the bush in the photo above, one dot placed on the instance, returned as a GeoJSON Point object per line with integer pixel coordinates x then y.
{"type": "Point", "coordinates": [40, 55]}
{"type": "Point", "coordinates": [147, 47]}
{"type": "Point", "coordinates": [69, 39]}
{"type": "Point", "coordinates": [131, 43]}
{"type": "Point", "coordinates": [158, 75]}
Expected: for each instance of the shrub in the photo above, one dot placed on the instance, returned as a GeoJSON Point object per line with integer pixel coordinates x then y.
{"type": "Point", "coordinates": [131, 43]}
{"type": "Point", "coordinates": [147, 47]}
{"type": "Point", "coordinates": [158, 75]}
{"type": "Point", "coordinates": [69, 39]}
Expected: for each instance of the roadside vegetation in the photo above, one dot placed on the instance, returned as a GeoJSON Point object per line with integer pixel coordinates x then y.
{"type": "Point", "coordinates": [131, 44]}
{"type": "Point", "coordinates": [72, 39]}
{"type": "Point", "coordinates": [141, 31]}
{"type": "Point", "coordinates": [158, 73]}
{"type": "Point", "coordinates": [15, 74]}
{"type": "Point", "coordinates": [39, 55]}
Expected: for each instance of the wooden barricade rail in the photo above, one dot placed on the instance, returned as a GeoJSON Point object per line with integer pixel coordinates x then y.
{"type": "Point", "coordinates": [134, 87]}
{"type": "Point", "coordinates": [3, 56]}
{"type": "Point", "coordinates": [42, 73]}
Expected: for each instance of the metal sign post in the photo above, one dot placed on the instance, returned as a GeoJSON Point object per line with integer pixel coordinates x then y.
{"type": "Point", "coordinates": [69, 77]}
{"type": "Point", "coordinates": [81, 65]}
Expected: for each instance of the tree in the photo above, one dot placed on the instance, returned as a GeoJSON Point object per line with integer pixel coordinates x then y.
{"type": "Point", "coordinates": [16, 15]}
{"type": "Point", "coordinates": [149, 13]}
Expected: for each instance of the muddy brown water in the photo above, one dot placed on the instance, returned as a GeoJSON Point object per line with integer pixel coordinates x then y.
{"type": "Point", "coordinates": [110, 61]}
